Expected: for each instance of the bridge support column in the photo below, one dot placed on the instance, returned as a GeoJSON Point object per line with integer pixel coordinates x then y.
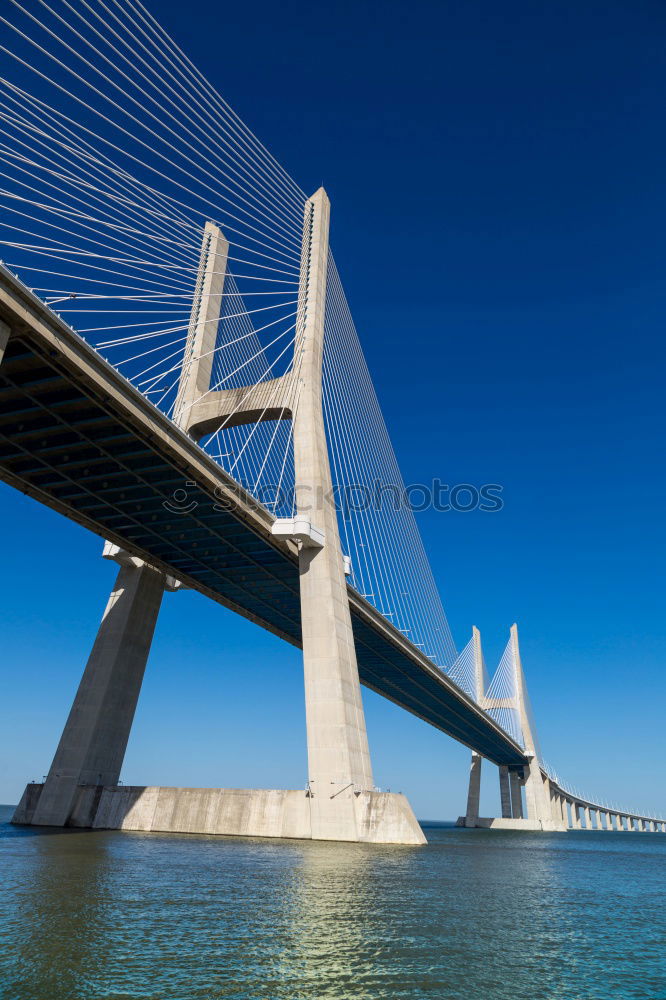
{"type": "Point", "coordinates": [575, 816]}
{"type": "Point", "coordinates": [556, 809]}
{"type": "Point", "coordinates": [535, 800]}
{"type": "Point", "coordinates": [505, 792]}
{"type": "Point", "coordinates": [338, 754]}
{"type": "Point", "coordinates": [92, 747]}
{"type": "Point", "coordinates": [516, 795]}
{"type": "Point", "coordinates": [474, 790]}
{"type": "Point", "coordinates": [588, 818]}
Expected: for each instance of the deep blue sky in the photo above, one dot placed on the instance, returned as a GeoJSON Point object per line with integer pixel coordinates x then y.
{"type": "Point", "coordinates": [497, 179]}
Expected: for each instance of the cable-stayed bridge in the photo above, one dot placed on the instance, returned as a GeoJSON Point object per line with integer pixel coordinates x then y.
{"type": "Point", "coordinates": [182, 375]}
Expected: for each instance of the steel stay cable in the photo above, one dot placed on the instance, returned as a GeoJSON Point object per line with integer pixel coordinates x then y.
{"type": "Point", "coordinates": [132, 117]}
{"type": "Point", "coordinates": [95, 159]}
{"type": "Point", "coordinates": [126, 153]}
{"type": "Point", "coordinates": [182, 110]}
{"type": "Point", "coordinates": [44, 132]}
{"type": "Point", "coordinates": [165, 47]}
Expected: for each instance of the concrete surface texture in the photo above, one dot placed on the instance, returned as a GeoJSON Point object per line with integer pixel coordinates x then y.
{"type": "Point", "coordinates": [379, 817]}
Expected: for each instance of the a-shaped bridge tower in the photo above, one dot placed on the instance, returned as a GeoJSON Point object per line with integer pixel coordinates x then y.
{"type": "Point", "coordinates": [506, 699]}
{"type": "Point", "coordinates": [340, 802]}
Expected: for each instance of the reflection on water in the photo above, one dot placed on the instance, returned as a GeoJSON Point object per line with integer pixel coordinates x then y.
{"type": "Point", "coordinates": [476, 914]}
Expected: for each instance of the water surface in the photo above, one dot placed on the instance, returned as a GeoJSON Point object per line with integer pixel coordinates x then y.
{"type": "Point", "coordinates": [479, 915]}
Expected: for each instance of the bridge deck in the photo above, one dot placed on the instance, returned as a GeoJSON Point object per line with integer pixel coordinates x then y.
{"type": "Point", "coordinates": [75, 435]}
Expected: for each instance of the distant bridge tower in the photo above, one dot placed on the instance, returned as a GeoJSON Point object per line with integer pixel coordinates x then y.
{"type": "Point", "coordinates": [340, 800]}
{"type": "Point", "coordinates": [507, 700]}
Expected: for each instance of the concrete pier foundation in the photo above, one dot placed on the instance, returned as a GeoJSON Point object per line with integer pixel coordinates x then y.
{"type": "Point", "coordinates": [380, 817]}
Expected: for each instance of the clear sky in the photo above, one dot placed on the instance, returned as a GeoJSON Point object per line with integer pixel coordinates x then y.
{"type": "Point", "coordinates": [496, 174]}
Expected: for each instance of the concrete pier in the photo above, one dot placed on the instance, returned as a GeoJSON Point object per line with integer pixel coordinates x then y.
{"type": "Point", "coordinates": [505, 792]}
{"type": "Point", "coordinates": [474, 790]}
{"type": "Point", "coordinates": [93, 742]}
{"type": "Point", "coordinates": [338, 752]}
{"type": "Point", "coordinates": [555, 807]}
{"type": "Point", "coordinates": [516, 795]}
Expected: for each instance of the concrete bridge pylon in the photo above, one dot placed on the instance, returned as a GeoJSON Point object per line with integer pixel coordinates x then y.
{"type": "Point", "coordinates": [339, 801]}
{"type": "Point", "coordinates": [541, 809]}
